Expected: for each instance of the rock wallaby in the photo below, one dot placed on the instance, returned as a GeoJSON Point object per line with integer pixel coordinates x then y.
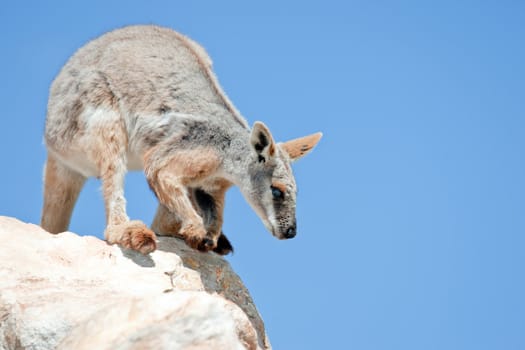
{"type": "Point", "coordinates": [145, 98]}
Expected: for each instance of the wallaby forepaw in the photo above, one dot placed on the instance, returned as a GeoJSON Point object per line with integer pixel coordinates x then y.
{"type": "Point", "coordinates": [224, 246]}
{"type": "Point", "coordinates": [204, 244]}
{"type": "Point", "coordinates": [143, 240]}
{"type": "Point", "coordinates": [197, 238]}
{"type": "Point", "coordinates": [133, 235]}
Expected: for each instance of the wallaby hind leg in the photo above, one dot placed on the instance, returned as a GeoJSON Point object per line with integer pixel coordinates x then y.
{"type": "Point", "coordinates": [211, 208]}
{"type": "Point", "coordinates": [166, 222]}
{"type": "Point", "coordinates": [61, 189]}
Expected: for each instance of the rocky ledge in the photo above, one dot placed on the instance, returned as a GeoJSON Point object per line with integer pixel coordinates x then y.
{"type": "Point", "coordinates": [77, 292]}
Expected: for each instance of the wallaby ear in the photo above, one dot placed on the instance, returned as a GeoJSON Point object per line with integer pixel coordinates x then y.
{"type": "Point", "coordinates": [262, 142]}
{"type": "Point", "coordinates": [300, 147]}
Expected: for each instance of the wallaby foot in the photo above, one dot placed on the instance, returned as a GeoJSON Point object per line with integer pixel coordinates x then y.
{"type": "Point", "coordinates": [224, 246]}
{"type": "Point", "coordinates": [132, 235]}
{"type": "Point", "coordinates": [165, 222]}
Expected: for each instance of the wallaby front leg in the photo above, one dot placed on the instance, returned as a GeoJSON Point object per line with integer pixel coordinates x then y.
{"type": "Point", "coordinates": [211, 211]}
{"type": "Point", "coordinates": [206, 206]}
{"type": "Point", "coordinates": [170, 179]}
{"type": "Point", "coordinates": [173, 194]}
{"type": "Point", "coordinates": [129, 234]}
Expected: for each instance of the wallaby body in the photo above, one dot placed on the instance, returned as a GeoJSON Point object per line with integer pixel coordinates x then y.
{"type": "Point", "coordinates": [145, 98]}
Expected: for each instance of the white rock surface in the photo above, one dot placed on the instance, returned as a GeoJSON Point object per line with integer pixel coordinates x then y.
{"type": "Point", "coordinates": [70, 292]}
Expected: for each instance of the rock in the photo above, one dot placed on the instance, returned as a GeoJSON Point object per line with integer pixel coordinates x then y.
{"type": "Point", "coordinates": [70, 292]}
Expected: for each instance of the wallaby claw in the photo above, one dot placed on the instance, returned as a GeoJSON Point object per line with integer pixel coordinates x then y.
{"type": "Point", "coordinates": [224, 246]}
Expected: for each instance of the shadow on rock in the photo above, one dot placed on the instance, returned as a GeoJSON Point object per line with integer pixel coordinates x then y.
{"type": "Point", "coordinates": [138, 258]}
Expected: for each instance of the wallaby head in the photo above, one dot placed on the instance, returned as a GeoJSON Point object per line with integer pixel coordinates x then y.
{"type": "Point", "coordinates": [270, 185]}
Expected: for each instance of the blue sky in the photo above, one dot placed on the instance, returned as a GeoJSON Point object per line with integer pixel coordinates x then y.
{"type": "Point", "coordinates": [410, 210]}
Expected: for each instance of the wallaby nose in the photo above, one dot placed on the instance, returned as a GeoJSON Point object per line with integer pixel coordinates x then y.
{"type": "Point", "coordinates": [291, 232]}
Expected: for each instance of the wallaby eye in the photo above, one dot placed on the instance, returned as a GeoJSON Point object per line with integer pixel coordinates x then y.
{"type": "Point", "coordinates": [277, 193]}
